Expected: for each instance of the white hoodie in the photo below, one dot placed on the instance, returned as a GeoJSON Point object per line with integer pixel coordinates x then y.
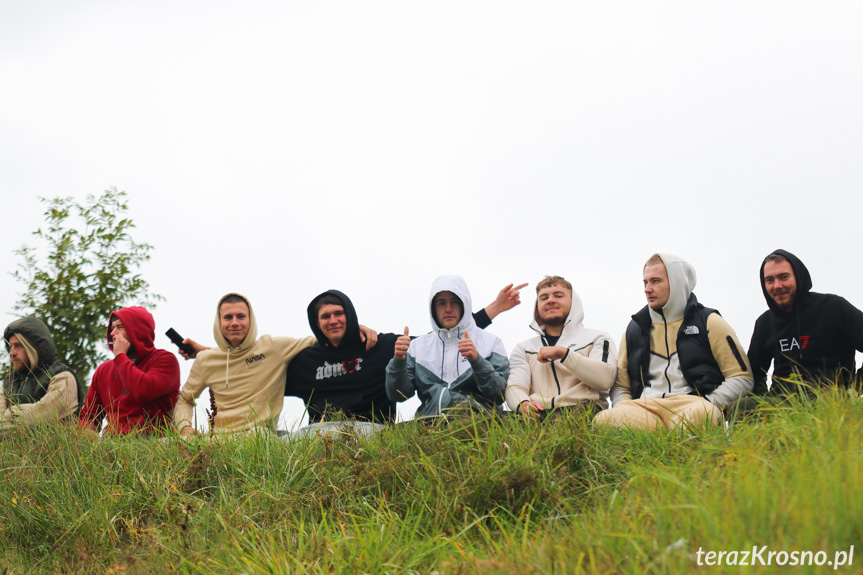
{"type": "Point", "coordinates": [441, 376]}
{"type": "Point", "coordinates": [586, 373]}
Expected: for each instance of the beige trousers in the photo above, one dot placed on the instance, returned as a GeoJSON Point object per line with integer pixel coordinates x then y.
{"type": "Point", "coordinates": [665, 413]}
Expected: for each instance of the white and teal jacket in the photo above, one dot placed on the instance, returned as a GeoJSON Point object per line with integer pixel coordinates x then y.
{"type": "Point", "coordinates": [439, 374]}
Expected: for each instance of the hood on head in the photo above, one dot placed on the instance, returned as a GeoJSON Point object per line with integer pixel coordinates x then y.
{"type": "Point", "coordinates": [352, 329]}
{"type": "Point", "coordinates": [251, 337]}
{"type": "Point", "coordinates": [35, 337]}
{"type": "Point", "coordinates": [801, 275]}
{"type": "Point", "coordinates": [140, 327]}
{"type": "Point", "coordinates": [458, 286]}
{"type": "Point", "coordinates": [681, 283]}
{"type": "Point", "coordinates": [574, 320]}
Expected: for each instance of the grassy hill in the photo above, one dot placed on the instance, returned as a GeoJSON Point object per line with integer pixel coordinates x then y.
{"type": "Point", "coordinates": [474, 496]}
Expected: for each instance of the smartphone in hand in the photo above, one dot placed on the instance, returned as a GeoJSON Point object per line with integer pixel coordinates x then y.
{"type": "Point", "coordinates": [177, 339]}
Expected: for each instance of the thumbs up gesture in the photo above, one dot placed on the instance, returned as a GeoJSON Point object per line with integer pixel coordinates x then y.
{"type": "Point", "coordinates": [467, 348]}
{"type": "Point", "coordinates": [402, 345]}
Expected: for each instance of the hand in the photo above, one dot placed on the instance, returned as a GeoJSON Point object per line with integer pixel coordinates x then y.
{"type": "Point", "coordinates": [188, 431]}
{"type": "Point", "coordinates": [530, 409]}
{"type": "Point", "coordinates": [506, 299]}
{"type": "Point", "coordinates": [198, 348]}
{"type": "Point", "coordinates": [369, 336]}
{"type": "Point", "coordinates": [467, 348]}
{"type": "Point", "coordinates": [402, 345]}
{"type": "Point", "coordinates": [121, 345]}
{"type": "Point", "coordinates": [547, 354]}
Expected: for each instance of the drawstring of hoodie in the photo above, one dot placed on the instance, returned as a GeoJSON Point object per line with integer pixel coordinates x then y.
{"type": "Point", "coordinates": [227, 364]}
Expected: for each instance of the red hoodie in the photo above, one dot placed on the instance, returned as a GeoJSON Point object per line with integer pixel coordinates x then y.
{"type": "Point", "coordinates": [134, 395]}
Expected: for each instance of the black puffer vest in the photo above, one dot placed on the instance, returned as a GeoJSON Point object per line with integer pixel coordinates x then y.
{"type": "Point", "coordinates": [697, 363]}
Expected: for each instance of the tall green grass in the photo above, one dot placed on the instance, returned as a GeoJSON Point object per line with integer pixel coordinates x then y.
{"type": "Point", "coordinates": [475, 495]}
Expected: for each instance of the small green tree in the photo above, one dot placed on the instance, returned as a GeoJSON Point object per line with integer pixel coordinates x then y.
{"type": "Point", "coordinates": [90, 270]}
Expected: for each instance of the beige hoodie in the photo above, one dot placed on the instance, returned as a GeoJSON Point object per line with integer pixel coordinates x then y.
{"type": "Point", "coordinates": [248, 381]}
{"type": "Point", "coordinates": [585, 374]}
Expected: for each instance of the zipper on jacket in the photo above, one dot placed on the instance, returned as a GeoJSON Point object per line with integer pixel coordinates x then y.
{"type": "Point", "coordinates": [667, 353]}
{"type": "Point", "coordinates": [443, 369]}
{"type": "Point", "coordinates": [555, 379]}
{"type": "Point", "coordinates": [553, 371]}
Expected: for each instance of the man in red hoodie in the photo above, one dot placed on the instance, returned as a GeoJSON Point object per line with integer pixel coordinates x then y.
{"type": "Point", "coordinates": [137, 389]}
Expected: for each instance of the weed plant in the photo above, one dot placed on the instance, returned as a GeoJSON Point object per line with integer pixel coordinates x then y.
{"type": "Point", "coordinates": [474, 494]}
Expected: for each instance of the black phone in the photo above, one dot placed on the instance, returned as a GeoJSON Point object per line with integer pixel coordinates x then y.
{"type": "Point", "coordinates": [177, 339]}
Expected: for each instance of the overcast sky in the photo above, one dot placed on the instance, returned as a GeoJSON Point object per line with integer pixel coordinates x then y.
{"type": "Point", "coordinates": [280, 149]}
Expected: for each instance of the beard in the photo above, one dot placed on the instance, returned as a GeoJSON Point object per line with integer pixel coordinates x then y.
{"type": "Point", "coordinates": [554, 321]}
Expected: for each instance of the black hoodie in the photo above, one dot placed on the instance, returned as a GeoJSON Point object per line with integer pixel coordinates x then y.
{"type": "Point", "coordinates": [346, 378]}
{"type": "Point", "coordinates": [816, 339]}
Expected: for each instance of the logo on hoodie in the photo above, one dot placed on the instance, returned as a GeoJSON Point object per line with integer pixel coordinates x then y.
{"type": "Point", "coordinates": [789, 344]}
{"type": "Point", "coordinates": [329, 370]}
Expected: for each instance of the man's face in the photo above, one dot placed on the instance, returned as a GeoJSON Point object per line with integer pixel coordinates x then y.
{"type": "Point", "coordinates": [18, 354]}
{"type": "Point", "coordinates": [235, 321]}
{"type": "Point", "coordinates": [553, 304]}
{"type": "Point", "coordinates": [780, 283]}
{"type": "Point", "coordinates": [448, 309]}
{"type": "Point", "coordinates": [656, 286]}
{"type": "Point", "coordinates": [118, 329]}
{"type": "Point", "coordinates": [333, 322]}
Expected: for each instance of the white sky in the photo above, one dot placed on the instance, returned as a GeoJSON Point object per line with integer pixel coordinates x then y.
{"type": "Point", "coordinates": [280, 149]}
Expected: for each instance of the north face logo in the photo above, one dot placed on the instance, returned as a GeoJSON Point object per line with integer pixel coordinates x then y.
{"type": "Point", "coordinates": [691, 330]}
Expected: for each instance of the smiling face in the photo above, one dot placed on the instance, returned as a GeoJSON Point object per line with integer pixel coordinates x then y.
{"type": "Point", "coordinates": [553, 304]}
{"type": "Point", "coordinates": [333, 323]}
{"type": "Point", "coordinates": [234, 320]}
{"type": "Point", "coordinates": [17, 354]}
{"type": "Point", "coordinates": [656, 286]}
{"type": "Point", "coordinates": [448, 309]}
{"type": "Point", "coordinates": [780, 283]}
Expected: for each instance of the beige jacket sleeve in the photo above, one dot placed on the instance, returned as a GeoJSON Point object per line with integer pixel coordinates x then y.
{"type": "Point", "coordinates": [59, 402]}
{"type": "Point", "coordinates": [732, 361]}
{"type": "Point", "coordinates": [590, 369]}
{"type": "Point", "coordinates": [621, 390]}
{"type": "Point", "coordinates": [289, 347]}
{"type": "Point", "coordinates": [184, 410]}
